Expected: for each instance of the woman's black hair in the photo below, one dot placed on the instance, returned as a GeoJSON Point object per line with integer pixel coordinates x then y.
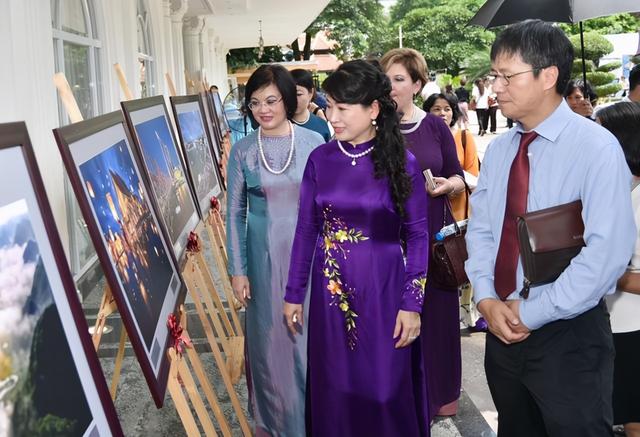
{"type": "Point", "coordinates": [359, 82]}
{"type": "Point", "coordinates": [303, 78]}
{"type": "Point", "coordinates": [585, 88]}
{"type": "Point", "coordinates": [480, 84]}
{"type": "Point", "coordinates": [277, 75]}
{"type": "Point", "coordinates": [622, 120]}
{"type": "Point", "coordinates": [450, 99]}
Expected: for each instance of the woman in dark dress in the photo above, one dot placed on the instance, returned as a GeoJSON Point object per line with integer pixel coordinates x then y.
{"type": "Point", "coordinates": [430, 140]}
{"type": "Point", "coordinates": [358, 192]}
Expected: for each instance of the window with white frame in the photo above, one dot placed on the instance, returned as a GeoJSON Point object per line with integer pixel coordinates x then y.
{"type": "Point", "coordinates": [76, 51]}
{"type": "Point", "coordinates": [146, 61]}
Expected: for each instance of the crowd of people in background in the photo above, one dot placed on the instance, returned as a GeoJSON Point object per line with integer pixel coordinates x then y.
{"type": "Point", "coordinates": [330, 224]}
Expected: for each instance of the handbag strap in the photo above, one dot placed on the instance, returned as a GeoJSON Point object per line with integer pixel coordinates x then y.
{"type": "Point", "coordinates": [448, 208]}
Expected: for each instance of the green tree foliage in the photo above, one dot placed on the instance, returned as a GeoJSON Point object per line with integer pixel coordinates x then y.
{"type": "Point", "coordinates": [441, 34]}
{"type": "Point", "coordinates": [595, 46]}
{"type": "Point", "coordinates": [403, 7]}
{"type": "Point", "coordinates": [620, 23]}
{"type": "Point", "coordinates": [608, 89]}
{"type": "Point", "coordinates": [610, 66]}
{"type": "Point", "coordinates": [358, 26]}
{"type": "Point", "coordinates": [477, 65]}
{"type": "Point", "coordinates": [577, 66]}
{"type": "Point", "coordinates": [248, 57]}
{"type": "Point", "coordinates": [598, 78]}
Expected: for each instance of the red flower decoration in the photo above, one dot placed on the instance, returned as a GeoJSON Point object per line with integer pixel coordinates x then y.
{"type": "Point", "coordinates": [179, 339]}
{"type": "Point", "coordinates": [193, 243]}
{"type": "Point", "coordinates": [215, 203]}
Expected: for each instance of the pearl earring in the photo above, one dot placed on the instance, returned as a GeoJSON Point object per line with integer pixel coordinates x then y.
{"type": "Point", "coordinates": [374, 124]}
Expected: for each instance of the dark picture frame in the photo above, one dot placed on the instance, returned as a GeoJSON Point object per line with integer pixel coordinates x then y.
{"type": "Point", "coordinates": [197, 149]}
{"type": "Point", "coordinates": [211, 125]}
{"type": "Point", "coordinates": [219, 108]}
{"type": "Point", "coordinates": [74, 375]}
{"type": "Point", "coordinates": [164, 168]}
{"type": "Point", "coordinates": [215, 121]}
{"type": "Point", "coordinates": [132, 245]}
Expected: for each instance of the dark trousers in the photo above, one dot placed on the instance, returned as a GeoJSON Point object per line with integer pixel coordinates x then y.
{"type": "Point", "coordinates": [556, 383]}
{"type": "Point", "coordinates": [483, 119]}
{"type": "Point", "coordinates": [493, 110]}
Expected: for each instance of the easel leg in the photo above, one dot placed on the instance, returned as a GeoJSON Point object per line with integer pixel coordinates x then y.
{"type": "Point", "coordinates": [118, 365]}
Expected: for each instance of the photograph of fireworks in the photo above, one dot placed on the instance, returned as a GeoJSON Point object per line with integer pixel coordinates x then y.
{"type": "Point", "coordinates": [197, 151]}
{"type": "Point", "coordinates": [150, 126]}
{"type": "Point", "coordinates": [131, 244]}
{"type": "Point", "coordinates": [39, 396]}
{"type": "Point", "coordinates": [131, 234]}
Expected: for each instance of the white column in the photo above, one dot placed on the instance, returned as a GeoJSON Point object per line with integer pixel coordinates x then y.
{"type": "Point", "coordinates": [178, 9]}
{"type": "Point", "coordinates": [27, 91]}
{"type": "Point", "coordinates": [192, 40]}
{"type": "Point", "coordinates": [167, 42]}
{"type": "Point", "coordinates": [221, 69]}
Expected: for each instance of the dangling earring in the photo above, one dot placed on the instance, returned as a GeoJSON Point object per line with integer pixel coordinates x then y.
{"type": "Point", "coordinates": [374, 124]}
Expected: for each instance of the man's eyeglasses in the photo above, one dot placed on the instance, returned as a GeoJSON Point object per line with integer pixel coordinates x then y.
{"type": "Point", "coordinates": [505, 79]}
{"type": "Point", "coordinates": [254, 105]}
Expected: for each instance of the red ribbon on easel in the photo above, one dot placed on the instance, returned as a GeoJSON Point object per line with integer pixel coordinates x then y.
{"type": "Point", "coordinates": [215, 203]}
{"type": "Point", "coordinates": [193, 242]}
{"type": "Point", "coordinates": [180, 341]}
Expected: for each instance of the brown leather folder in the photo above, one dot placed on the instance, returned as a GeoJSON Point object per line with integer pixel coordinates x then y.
{"type": "Point", "coordinates": [549, 239]}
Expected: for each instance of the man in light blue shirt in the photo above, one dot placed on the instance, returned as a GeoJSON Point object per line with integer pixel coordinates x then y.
{"type": "Point", "coordinates": [549, 358]}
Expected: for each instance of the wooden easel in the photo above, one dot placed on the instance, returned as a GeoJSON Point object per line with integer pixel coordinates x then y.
{"type": "Point", "coordinates": [217, 326]}
{"type": "Point", "coordinates": [181, 381]}
{"type": "Point", "coordinates": [170, 85]}
{"type": "Point", "coordinates": [212, 312]}
{"type": "Point", "coordinates": [107, 303]}
{"type": "Point", "coordinates": [191, 85]}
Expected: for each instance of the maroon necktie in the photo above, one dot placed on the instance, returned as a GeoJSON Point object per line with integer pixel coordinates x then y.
{"type": "Point", "coordinates": [517, 191]}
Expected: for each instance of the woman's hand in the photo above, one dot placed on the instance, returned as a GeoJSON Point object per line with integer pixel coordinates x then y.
{"type": "Point", "coordinates": [407, 327]}
{"type": "Point", "coordinates": [293, 316]}
{"type": "Point", "coordinates": [443, 186]}
{"type": "Point", "coordinates": [241, 289]}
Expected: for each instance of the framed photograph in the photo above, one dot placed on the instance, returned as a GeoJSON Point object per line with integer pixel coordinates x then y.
{"type": "Point", "coordinates": [51, 382]}
{"type": "Point", "coordinates": [215, 121]}
{"type": "Point", "coordinates": [130, 242]}
{"type": "Point", "coordinates": [197, 150]}
{"type": "Point", "coordinates": [211, 126]}
{"type": "Point", "coordinates": [222, 119]}
{"type": "Point", "coordinates": [152, 134]}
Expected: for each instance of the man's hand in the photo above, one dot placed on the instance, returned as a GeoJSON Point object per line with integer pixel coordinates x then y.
{"type": "Point", "coordinates": [503, 322]}
{"type": "Point", "coordinates": [521, 328]}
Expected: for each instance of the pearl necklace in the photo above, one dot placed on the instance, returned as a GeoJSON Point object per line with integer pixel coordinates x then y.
{"type": "Point", "coordinates": [264, 159]}
{"type": "Point", "coordinates": [353, 156]}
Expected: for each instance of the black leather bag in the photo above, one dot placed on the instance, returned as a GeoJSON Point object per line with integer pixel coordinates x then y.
{"type": "Point", "coordinates": [549, 239]}
{"type": "Point", "coordinates": [446, 263]}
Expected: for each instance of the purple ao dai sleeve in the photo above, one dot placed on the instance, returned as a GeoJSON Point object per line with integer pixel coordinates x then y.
{"type": "Point", "coordinates": [307, 230]}
{"type": "Point", "coordinates": [417, 240]}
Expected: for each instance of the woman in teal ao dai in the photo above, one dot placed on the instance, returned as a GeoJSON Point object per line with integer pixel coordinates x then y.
{"type": "Point", "coordinates": [264, 174]}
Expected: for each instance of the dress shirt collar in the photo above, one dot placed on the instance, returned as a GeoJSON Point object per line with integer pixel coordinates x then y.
{"type": "Point", "coordinates": [553, 125]}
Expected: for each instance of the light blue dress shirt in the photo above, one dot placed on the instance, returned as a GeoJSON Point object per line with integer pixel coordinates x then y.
{"type": "Point", "coordinates": [572, 158]}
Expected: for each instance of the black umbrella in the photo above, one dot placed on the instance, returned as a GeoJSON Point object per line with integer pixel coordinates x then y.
{"type": "Point", "coordinates": [500, 12]}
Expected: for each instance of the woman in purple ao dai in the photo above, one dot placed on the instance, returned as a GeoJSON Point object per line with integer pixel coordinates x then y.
{"type": "Point", "coordinates": [361, 196]}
